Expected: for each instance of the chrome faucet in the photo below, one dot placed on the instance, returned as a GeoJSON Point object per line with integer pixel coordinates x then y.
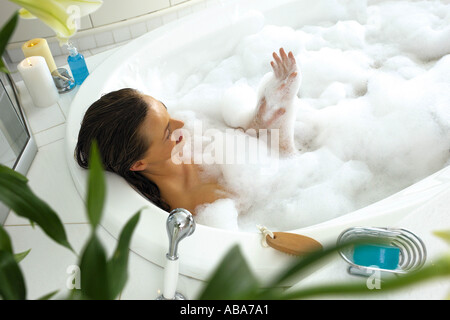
{"type": "Point", "coordinates": [180, 224]}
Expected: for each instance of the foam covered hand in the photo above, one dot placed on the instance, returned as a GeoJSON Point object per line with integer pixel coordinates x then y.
{"type": "Point", "coordinates": [278, 90]}
{"type": "Point", "coordinates": [285, 71]}
{"type": "Point", "coordinates": [276, 108]}
{"type": "Point", "coordinates": [284, 85]}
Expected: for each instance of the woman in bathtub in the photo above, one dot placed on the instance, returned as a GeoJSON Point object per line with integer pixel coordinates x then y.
{"type": "Point", "coordinates": [134, 135]}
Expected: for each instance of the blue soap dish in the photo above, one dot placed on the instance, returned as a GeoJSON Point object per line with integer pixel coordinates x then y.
{"type": "Point", "coordinates": [395, 251]}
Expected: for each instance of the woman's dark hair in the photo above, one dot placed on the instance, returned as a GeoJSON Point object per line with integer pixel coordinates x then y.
{"type": "Point", "coordinates": [113, 121]}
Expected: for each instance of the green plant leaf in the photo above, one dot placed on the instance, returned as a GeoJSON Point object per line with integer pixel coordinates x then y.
{"type": "Point", "coordinates": [12, 284]}
{"type": "Point", "coordinates": [48, 296]}
{"type": "Point", "coordinates": [12, 173]}
{"type": "Point", "coordinates": [5, 245]}
{"type": "Point", "coordinates": [5, 34]}
{"type": "Point", "coordinates": [93, 271]}
{"type": "Point", "coordinates": [74, 294]}
{"type": "Point", "coordinates": [305, 262]}
{"type": "Point", "coordinates": [5, 241]}
{"type": "Point", "coordinates": [96, 190]}
{"type": "Point", "coordinates": [437, 269]}
{"type": "Point", "coordinates": [231, 280]}
{"type": "Point", "coordinates": [15, 193]}
{"type": "Point", "coordinates": [117, 266]}
{"type": "Point", "coordinates": [21, 255]}
{"type": "Point", "coordinates": [443, 234]}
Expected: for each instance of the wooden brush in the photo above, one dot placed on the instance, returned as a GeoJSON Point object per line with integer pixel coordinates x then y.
{"type": "Point", "coordinates": [292, 243]}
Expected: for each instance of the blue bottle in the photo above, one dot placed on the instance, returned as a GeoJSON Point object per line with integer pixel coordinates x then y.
{"type": "Point", "coordinates": [77, 65]}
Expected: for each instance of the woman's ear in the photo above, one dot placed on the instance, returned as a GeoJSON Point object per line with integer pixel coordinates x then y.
{"type": "Point", "coordinates": [138, 166]}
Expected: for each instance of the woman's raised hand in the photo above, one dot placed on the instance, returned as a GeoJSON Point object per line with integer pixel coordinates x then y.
{"type": "Point", "coordinates": [284, 67]}
{"type": "Point", "coordinates": [278, 91]}
{"type": "Point", "coordinates": [276, 103]}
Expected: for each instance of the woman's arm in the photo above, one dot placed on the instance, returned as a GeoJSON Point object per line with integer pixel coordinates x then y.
{"type": "Point", "coordinates": [276, 102]}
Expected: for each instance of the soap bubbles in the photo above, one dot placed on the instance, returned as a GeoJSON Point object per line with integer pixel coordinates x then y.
{"type": "Point", "coordinates": [373, 114]}
{"type": "Point", "coordinates": [238, 105]}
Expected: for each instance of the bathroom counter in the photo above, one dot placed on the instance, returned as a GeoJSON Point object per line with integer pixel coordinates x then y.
{"type": "Point", "coordinates": [48, 266]}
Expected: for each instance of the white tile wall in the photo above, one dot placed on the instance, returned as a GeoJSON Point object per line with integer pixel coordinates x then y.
{"type": "Point", "coordinates": [175, 2]}
{"type": "Point", "coordinates": [138, 29]}
{"type": "Point", "coordinates": [104, 39]}
{"type": "Point", "coordinates": [154, 23]}
{"type": "Point", "coordinates": [94, 40]}
{"type": "Point", "coordinates": [169, 17]}
{"type": "Point", "coordinates": [121, 34]}
{"type": "Point", "coordinates": [115, 10]}
{"type": "Point", "coordinates": [86, 43]}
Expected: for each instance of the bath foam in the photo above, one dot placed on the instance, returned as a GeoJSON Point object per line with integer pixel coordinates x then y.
{"type": "Point", "coordinates": [417, 29]}
{"type": "Point", "coordinates": [238, 105]}
{"type": "Point", "coordinates": [220, 214]}
{"type": "Point", "coordinates": [373, 111]}
{"type": "Point", "coordinates": [376, 123]}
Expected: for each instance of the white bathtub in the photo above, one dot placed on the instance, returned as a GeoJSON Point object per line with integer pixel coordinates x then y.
{"type": "Point", "coordinates": [201, 252]}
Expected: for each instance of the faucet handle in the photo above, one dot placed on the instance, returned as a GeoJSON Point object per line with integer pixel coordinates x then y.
{"type": "Point", "coordinates": [180, 224]}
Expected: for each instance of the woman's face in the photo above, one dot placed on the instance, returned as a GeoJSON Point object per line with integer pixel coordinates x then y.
{"type": "Point", "coordinates": [157, 129]}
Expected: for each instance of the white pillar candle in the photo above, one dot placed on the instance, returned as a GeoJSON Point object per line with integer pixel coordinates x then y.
{"type": "Point", "coordinates": [38, 80]}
